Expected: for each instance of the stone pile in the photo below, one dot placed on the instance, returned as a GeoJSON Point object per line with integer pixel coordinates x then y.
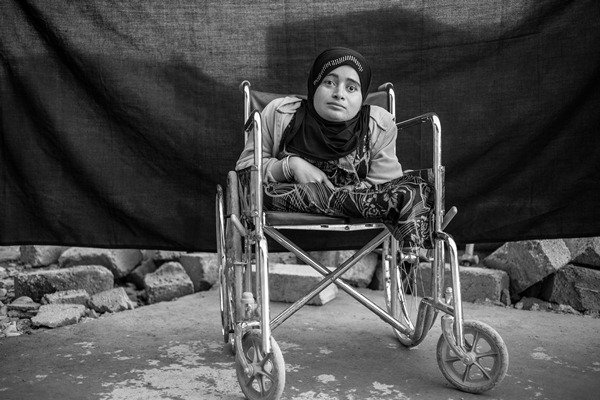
{"type": "Point", "coordinates": [552, 274]}
{"type": "Point", "coordinates": [50, 286]}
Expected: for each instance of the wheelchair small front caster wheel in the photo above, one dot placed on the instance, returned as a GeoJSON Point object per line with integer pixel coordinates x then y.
{"type": "Point", "coordinates": [265, 378]}
{"type": "Point", "coordinates": [487, 361]}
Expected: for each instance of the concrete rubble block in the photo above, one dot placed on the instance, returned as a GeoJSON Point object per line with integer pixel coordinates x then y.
{"type": "Point", "coordinates": [57, 315]}
{"type": "Point", "coordinates": [91, 278]}
{"type": "Point", "coordinates": [575, 286]}
{"type": "Point", "coordinates": [23, 307]}
{"type": "Point", "coordinates": [290, 282]}
{"type": "Point", "coordinates": [75, 296]}
{"type": "Point", "coordinates": [477, 283]}
{"type": "Point", "coordinates": [169, 282]}
{"type": "Point", "coordinates": [137, 275]}
{"type": "Point", "coordinates": [119, 261]}
{"type": "Point", "coordinates": [9, 253]}
{"type": "Point", "coordinates": [360, 275]}
{"type": "Point", "coordinates": [202, 268]}
{"type": "Point", "coordinates": [528, 262]}
{"type": "Point", "coordinates": [282, 258]}
{"type": "Point", "coordinates": [38, 256]}
{"type": "Point", "coordinates": [163, 256]}
{"type": "Point", "coordinates": [113, 300]}
{"type": "Point", "coordinates": [585, 251]}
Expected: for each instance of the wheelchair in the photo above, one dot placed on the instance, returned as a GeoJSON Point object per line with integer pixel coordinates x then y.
{"type": "Point", "coordinates": [471, 355]}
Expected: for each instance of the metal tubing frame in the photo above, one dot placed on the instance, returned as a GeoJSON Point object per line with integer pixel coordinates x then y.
{"type": "Point", "coordinates": [441, 238]}
{"type": "Point", "coordinates": [332, 277]}
{"type": "Point", "coordinates": [261, 253]}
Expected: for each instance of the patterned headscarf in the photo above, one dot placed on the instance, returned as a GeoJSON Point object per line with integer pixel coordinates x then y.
{"type": "Point", "coordinates": [333, 58]}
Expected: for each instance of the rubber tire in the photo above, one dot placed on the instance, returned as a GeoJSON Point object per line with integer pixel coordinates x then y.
{"type": "Point", "coordinates": [274, 379]}
{"type": "Point", "coordinates": [453, 369]}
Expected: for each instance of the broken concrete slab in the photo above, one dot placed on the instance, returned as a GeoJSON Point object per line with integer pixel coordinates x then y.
{"type": "Point", "coordinates": [137, 275]}
{"type": "Point", "coordinates": [113, 300]}
{"type": "Point", "coordinates": [290, 282]}
{"type": "Point", "coordinates": [119, 261]}
{"type": "Point", "coordinates": [202, 268]}
{"type": "Point", "coordinates": [92, 278]}
{"type": "Point", "coordinates": [38, 256]}
{"type": "Point", "coordinates": [75, 296]}
{"type": "Point", "coordinates": [585, 251]}
{"type": "Point", "coordinates": [23, 307]}
{"type": "Point", "coordinates": [528, 262]}
{"type": "Point", "coordinates": [169, 282]}
{"type": "Point", "coordinates": [360, 275]}
{"type": "Point", "coordinates": [477, 283]}
{"type": "Point", "coordinates": [578, 287]}
{"type": "Point", "coordinates": [57, 315]}
{"type": "Point", "coordinates": [9, 253]}
{"type": "Point", "coordinates": [283, 258]}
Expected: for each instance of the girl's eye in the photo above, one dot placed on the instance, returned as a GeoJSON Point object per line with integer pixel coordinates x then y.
{"type": "Point", "coordinates": [329, 82]}
{"type": "Point", "coordinates": [352, 88]}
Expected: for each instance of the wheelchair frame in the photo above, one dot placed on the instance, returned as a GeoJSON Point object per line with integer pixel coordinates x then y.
{"type": "Point", "coordinates": [241, 313]}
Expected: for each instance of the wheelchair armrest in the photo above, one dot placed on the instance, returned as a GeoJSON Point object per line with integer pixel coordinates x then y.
{"type": "Point", "coordinates": [429, 117]}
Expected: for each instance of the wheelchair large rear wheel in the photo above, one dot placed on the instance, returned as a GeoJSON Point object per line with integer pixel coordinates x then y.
{"type": "Point", "coordinates": [404, 290]}
{"type": "Point", "coordinates": [488, 359]}
{"type": "Point", "coordinates": [266, 381]}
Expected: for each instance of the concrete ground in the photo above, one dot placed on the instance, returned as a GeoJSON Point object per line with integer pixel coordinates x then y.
{"type": "Point", "coordinates": [174, 350]}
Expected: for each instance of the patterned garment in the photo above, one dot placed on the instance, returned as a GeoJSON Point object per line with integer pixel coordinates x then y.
{"type": "Point", "coordinates": [404, 205]}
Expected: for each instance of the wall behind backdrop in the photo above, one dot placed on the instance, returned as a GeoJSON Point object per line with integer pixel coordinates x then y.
{"type": "Point", "coordinates": [118, 119]}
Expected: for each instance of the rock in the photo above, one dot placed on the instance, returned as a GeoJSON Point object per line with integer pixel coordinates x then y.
{"type": "Point", "coordinates": [11, 330]}
{"type": "Point", "coordinates": [585, 251]}
{"type": "Point", "coordinates": [360, 275]}
{"type": "Point", "coordinates": [528, 262]}
{"type": "Point", "coordinates": [477, 283]}
{"type": "Point", "coordinates": [578, 287]}
{"type": "Point", "coordinates": [91, 278]}
{"type": "Point", "coordinates": [533, 304]}
{"type": "Point", "coordinates": [57, 315]}
{"type": "Point", "coordinates": [38, 256]}
{"type": "Point", "coordinates": [113, 300]}
{"type": "Point", "coordinates": [202, 268]}
{"type": "Point", "coordinates": [170, 281]}
{"type": "Point", "coordinates": [23, 307]}
{"type": "Point", "coordinates": [76, 296]}
{"type": "Point", "coordinates": [163, 256]}
{"type": "Point", "coordinates": [290, 282]}
{"type": "Point", "coordinates": [120, 261]}
{"type": "Point", "coordinates": [283, 258]}
{"type": "Point", "coordinates": [137, 275]}
{"type": "Point", "coordinates": [9, 253]}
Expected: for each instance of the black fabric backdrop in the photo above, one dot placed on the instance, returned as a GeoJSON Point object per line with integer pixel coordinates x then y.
{"type": "Point", "coordinates": [118, 119]}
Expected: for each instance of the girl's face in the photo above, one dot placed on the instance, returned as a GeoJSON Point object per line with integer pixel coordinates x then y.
{"type": "Point", "coordinates": [338, 97]}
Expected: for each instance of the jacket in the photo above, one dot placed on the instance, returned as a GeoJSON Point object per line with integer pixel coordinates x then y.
{"type": "Point", "coordinates": [276, 116]}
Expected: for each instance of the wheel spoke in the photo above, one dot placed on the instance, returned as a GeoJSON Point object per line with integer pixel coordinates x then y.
{"type": "Point", "coordinates": [483, 370]}
{"type": "Point", "coordinates": [490, 353]}
{"type": "Point", "coordinates": [465, 376]}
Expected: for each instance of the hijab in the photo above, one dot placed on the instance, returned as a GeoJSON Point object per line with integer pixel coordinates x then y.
{"type": "Point", "coordinates": [316, 138]}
